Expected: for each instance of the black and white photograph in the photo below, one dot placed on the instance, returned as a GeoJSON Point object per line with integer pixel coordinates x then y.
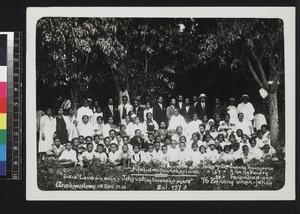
{"type": "Point", "coordinates": [159, 103]}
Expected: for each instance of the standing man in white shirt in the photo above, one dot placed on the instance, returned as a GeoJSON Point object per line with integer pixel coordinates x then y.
{"type": "Point", "coordinates": [124, 109]}
{"type": "Point", "coordinates": [246, 108]}
{"type": "Point", "coordinates": [84, 110]}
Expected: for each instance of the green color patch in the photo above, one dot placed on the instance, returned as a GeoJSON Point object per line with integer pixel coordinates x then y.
{"type": "Point", "coordinates": [2, 137]}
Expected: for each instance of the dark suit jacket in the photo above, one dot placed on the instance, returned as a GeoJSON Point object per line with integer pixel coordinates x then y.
{"type": "Point", "coordinates": [201, 112]}
{"type": "Point", "coordinates": [159, 115]}
{"type": "Point", "coordinates": [139, 111]}
{"type": "Point", "coordinates": [221, 110]}
{"type": "Point", "coordinates": [135, 142]}
{"type": "Point", "coordinates": [188, 116]}
{"type": "Point", "coordinates": [107, 113]}
{"type": "Point", "coordinates": [180, 109]}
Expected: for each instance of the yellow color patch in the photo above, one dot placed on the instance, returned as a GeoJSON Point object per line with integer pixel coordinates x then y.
{"type": "Point", "coordinates": [2, 121]}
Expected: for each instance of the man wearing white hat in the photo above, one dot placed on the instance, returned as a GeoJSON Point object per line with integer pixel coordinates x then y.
{"type": "Point", "coordinates": [202, 107]}
{"type": "Point", "coordinates": [246, 108]}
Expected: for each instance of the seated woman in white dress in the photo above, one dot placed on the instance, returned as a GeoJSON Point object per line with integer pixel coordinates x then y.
{"type": "Point", "coordinates": [244, 125]}
{"type": "Point", "coordinates": [175, 121]}
{"type": "Point", "coordinates": [192, 126]}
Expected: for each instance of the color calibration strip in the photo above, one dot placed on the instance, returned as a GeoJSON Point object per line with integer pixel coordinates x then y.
{"type": "Point", "coordinates": [3, 103]}
{"type": "Point", "coordinates": [12, 132]}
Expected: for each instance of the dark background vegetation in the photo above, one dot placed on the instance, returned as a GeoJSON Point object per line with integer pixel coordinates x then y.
{"type": "Point", "coordinates": [12, 197]}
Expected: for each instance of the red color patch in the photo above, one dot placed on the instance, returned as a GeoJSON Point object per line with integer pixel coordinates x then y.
{"type": "Point", "coordinates": [3, 106]}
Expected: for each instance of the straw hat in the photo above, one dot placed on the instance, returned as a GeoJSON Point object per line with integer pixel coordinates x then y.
{"type": "Point", "coordinates": [202, 95]}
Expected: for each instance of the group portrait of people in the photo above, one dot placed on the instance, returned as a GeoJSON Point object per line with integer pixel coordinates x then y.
{"type": "Point", "coordinates": [188, 132]}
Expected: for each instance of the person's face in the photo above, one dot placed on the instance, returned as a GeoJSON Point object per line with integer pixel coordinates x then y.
{"type": "Point", "coordinates": [157, 146]}
{"type": "Point", "coordinates": [202, 99]}
{"type": "Point", "coordinates": [85, 103]}
{"type": "Point", "coordinates": [119, 138]}
{"type": "Point", "coordinates": [180, 98]}
{"type": "Point", "coordinates": [245, 100]}
{"type": "Point", "coordinates": [187, 101]}
{"type": "Point", "coordinates": [97, 140]}
{"type": "Point", "coordinates": [181, 146]}
{"type": "Point", "coordinates": [227, 118]}
{"type": "Point", "coordinates": [246, 150]}
{"type": "Point", "coordinates": [201, 128]}
{"type": "Point", "coordinates": [205, 119]}
{"type": "Point", "coordinates": [162, 125]}
{"type": "Point", "coordinates": [151, 137]}
{"type": "Point", "coordinates": [253, 143]}
{"type": "Point", "coordinates": [70, 111]}
{"type": "Point", "coordinates": [96, 104]}
{"type": "Point", "coordinates": [167, 141]}
{"type": "Point", "coordinates": [231, 139]}
{"type": "Point", "coordinates": [148, 105]}
{"type": "Point", "coordinates": [125, 140]}
{"type": "Point", "coordinates": [173, 144]}
{"type": "Point", "coordinates": [60, 112]}
{"type": "Point", "coordinates": [211, 123]}
{"type": "Point", "coordinates": [100, 149]}
{"type": "Point", "coordinates": [244, 138]}
{"type": "Point", "coordinates": [107, 142]}
{"type": "Point", "coordinates": [195, 117]}
{"type": "Point", "coordinates": [194, 137]}
{"type": "Point", "coordinates": [208, 138]}
{"type": "Point", "coordinates": [68, 146]}
{"type": "Point", "coordinates": [220, 138]}
{"type": "Point", "coordinates": [195, 148]}
{"type": "Point", "coordinates": [202, 150]}
{"type": "Point", "coordinates": [124, 148]}
{"type": "Point", "coordinates": [112, 134]}
{"type": "Point", "coordinates": [241, 116]}
{"type": "Point", "coordinates": [110, 102]}
{"type": "Point", "coordinates": [160, 100]}
{"type": "Point", "coordinates": [136, 103]}
{"type": "Point", "coordinates": [195, 99]}
{"type": "Point", "coordinates": [263, 129]}
{"type": "Point", "coordinates": [213, 128]}
{"type": "Point", "coordinates": [179, 130]}
{"type": "Point", "coordinates": [110, 120]}
{"type": "Point", "coordinates": [239, 133]}
{"type": "Point", "coordinates": [90, 148]}
{"type": "Point", "coordinates": [266, 149]}
{"type": "Point", "coordinates": [235, 147]}
{"type": "Point", "coordinates": [158, 139]}
{"type": "Point", "coordinates": [76, 143]}
{"type": "Point", "coordinates": [57, 142]}
{"type": "Point", "coordinates": [138, 133]}
{"type": "Point", "coordinates": [260, 135]}
{"type": "Point", "coordinates": [124, 99]}
{"type": "Point", "coordinates": [127, 119]}
{"type": "Point", "coordinates": [217, 101]}
{"type": "Point", "coordinates": [88, 140]}
{"type": "Point", "coordinates": [173, 102]}
{"type": "Point", "coordinates": [227, 150]}
{"type": "Point", "coordinates": [136, 150]}
{"type": "Point", "coordinates": [123, 128]}
{"type": "Point", "coordinates": [49, 112]}
{"type": "Point", "coordinates": [149, 116]}
{"type": "Point", "coordinates": [85, 119]}
{"type": "Point", "coordinates": [98, 110]}
{"type": "Point", "coordinates": [218, 117]}
{"type": "Point", "coordinates": [164, 150]}
{"type": "Point", "coordinates": [137, 120]}
{"type": "Point", "coordinates": [113, 148]}
{"type": "Point", "coordinates": [99, 120]}
{"type": "Point", "coordinates": [81, 140]}
{"type": "Point", "coordinates": [150, 149]}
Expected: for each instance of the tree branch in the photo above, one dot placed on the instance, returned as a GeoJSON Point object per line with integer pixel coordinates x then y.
{"type": "Point", "coordinates": [260, 68]}
{"type": "Point", "coordinates": [252, 71]}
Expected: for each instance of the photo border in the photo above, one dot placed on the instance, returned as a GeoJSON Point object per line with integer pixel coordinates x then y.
{"type": "Point", "coordinates": [287, 14]}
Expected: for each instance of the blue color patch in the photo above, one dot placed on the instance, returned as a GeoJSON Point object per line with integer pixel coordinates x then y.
{"type": "Point", "coordinates": [2, 152]}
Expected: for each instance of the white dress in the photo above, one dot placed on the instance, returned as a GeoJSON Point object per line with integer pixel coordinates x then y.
{"type": "Point", "coordinates": [46, 128]}
{"type": "Point", "coordinates": [73, 131]}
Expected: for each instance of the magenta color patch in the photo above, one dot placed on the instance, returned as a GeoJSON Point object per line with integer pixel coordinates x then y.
{"type": "Point", "coordinates": [3, 89]}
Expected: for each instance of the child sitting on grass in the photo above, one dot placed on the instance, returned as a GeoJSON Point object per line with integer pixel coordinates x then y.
{"type": "Point", "coordinates": [100, 154]}
{"type": "Point", "coordinates": [87, 157]}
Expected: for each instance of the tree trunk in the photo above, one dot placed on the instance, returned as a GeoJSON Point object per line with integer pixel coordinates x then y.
{"type": "Point", "coordinates": [74, 98]}
{"type": "Point", "coordinates": [274, 123]}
